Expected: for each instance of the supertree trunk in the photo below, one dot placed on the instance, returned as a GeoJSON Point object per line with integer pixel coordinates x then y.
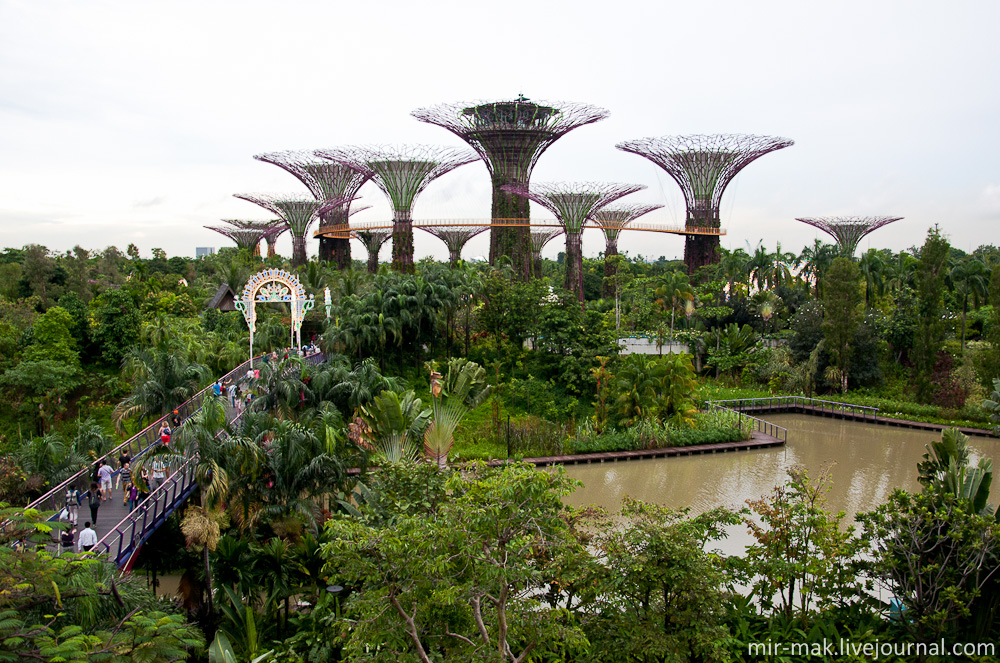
{"type": "Point", "coordinates": [373, 262]}
{"type": "Point", "coordinates": [325, 249]}
{"type": "Point", "coordinates": [700, 250]}
{"type": "Point", "coordinates": [341, 253]}
{"type": "Point", "coordinates": [574, 264]}
{"type": "Point", "coordinates": [513, 242]}
{"type": "Point", "coordinates": [402, 245]}
{"type": "Point", "coordinates": [454, 255]}
{"type": "Point", "coordinates": [610, 268]}
{"type": "Point", "coordinates": [299, 257]}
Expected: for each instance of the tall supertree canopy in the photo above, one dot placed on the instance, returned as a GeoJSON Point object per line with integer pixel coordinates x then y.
{"type": "Point", "coordinates": [402, 173]}
{"type": "Point", "coordinates": [612, 220]}
{"type": "Point", "coordinates": [703, 166]}
{"type": "Point", "coordinates": [510, 136]}
{"type": "Point", "coordinates": [455, 237]}
{"type": "Point", "coordinates": [327, 181]}
{"type": "Point", "coordinates": [247, 234]}
{"type": "Point", "coordinates": [295, 210]}
{"type": "Point", "coordinates": [848, 230]}
{"type": "Point", "coordinates": [540, 236]}
{"type": "Point", "coordinates": [573, 203]}
{"type": "Point", "coordinates": [373, 241]}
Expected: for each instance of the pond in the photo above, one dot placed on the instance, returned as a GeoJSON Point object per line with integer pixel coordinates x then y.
{"type": "Point", "coordinates": [866, 462]}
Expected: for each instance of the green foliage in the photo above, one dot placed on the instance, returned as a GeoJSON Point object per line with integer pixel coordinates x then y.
{"type": "Point", "coordinates": [426, 585]}
{"type": "Point", "coordinates": [935, 555]}
{"type": "Point", "coordinates": [116, 323]}
{"type": "Point", "coordinates": [53, 338]}
{"type": "Point", "coordinates": [929, 335]}
{"type": "Point", "coordinates": [660, 594]}
{"type": "Point", "coordinates": [841, 314]}
{"type": "Point", "coordinates": [462, 388]}
{"type": "Point", "coordinates": [803, 558]}
{"type": "Point", "coordinates": [77, 608]}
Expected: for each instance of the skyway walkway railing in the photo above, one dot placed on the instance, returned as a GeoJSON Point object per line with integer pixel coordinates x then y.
{"type": "Point", "coordinates": [138, 444]}
{"type": "Point", "coordinates": [802, 404]}
{"type": "Point", "coordinates": [123, 541]}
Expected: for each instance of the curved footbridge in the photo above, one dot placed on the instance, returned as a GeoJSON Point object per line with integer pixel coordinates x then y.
{"type": "Point", "coordinates": [121, 532]}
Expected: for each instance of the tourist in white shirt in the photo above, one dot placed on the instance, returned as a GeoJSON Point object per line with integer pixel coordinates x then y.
{"type": "Point", "coordinates": [88, 539]}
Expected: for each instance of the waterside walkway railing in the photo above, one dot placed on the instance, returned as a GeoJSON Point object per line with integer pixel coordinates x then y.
{"type": "Point", "coordinates": [800, 404]}
{"type": "Point", "coordinates": [749, 422]}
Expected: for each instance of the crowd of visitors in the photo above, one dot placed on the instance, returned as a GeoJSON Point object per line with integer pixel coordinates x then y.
{"type": "Point", "coordinates": [136, 487]}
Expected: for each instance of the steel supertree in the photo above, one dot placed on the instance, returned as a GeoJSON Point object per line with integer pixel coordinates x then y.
{"type": "Point", "coordinates": [703, 166]}
{"type": "Point", "coordinates": [510, 136]}
{"type": "Point", "coordinates": [329, 182]}
{"type": "Point", "coordinates": [297, 211]}
{"type": "Point", "coordinates": [573, 203]}
{"type": "Point", "coordinates": [272, 240]}
{"type": "Point", "coordinates": [373, 241]}
{"type": "Point", "coordinates": [848, 230]}
{"type": "Point", "coordinates": [455, 238]}
{"type": "Point", "coordinates": [247, 234]}
{"type": "Point", "coordinates": [612, 220]}
{"type": "Point", "coordinates": [541, 236]}
{"type": "Point", "coordinates": [402, 173]}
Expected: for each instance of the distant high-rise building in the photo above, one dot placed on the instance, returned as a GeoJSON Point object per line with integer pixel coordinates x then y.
{"type": "Point", "coordinates": [202, 251]}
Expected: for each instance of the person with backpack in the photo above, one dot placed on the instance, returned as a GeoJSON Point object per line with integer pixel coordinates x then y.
{"type": "Point", "coordinates": [94, 500]}
{"type": "Point", "coordinates": [72, 504]}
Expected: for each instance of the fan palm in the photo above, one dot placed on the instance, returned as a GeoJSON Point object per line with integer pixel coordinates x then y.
{"type": "Point", "coordinates": [396, 420]}
{"type": "Point", "coordinates": [460, 390]}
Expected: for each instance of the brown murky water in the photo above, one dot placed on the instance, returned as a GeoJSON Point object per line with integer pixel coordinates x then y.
{"type": "Point", "coordinates": [867, 462]}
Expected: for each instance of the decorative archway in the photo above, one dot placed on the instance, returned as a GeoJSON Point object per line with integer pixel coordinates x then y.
{"type": "Point", "coordinates": [275, 285]}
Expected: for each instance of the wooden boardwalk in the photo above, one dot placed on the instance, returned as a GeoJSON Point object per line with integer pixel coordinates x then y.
{"type": "Point", "coordinates": [758, 441]}
{"type": "Point", "coordinates": [856, 416]}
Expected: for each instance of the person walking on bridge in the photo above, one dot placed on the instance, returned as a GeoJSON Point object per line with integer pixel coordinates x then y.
{"type": "Point", "coordinates": [94, 499]}
{"type": "Point", "coordinates": [104, 472]}
{"type": "Point", "coordinates": [88, 539]}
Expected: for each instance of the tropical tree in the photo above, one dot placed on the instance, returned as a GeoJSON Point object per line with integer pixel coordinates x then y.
{"type": "Point", "coordinates": [841, 314]}
{"type": "Point", "coordinates": [971, 280]}
{"type": "Point", "coordinates": [160, 382]}
{"type": "Point", "coordinates": [397, 423]}
{"type": "Point", "coordinates": [462, 388]}
{"type": "Point", "coordinates": [672, 293]}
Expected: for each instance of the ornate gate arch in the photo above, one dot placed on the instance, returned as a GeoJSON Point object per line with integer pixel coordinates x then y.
{"type": "Point", "coordinates": [275, 285]}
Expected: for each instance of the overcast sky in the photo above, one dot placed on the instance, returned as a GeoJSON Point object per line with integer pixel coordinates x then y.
{"type": "Point", "coordinates": [124, 121]}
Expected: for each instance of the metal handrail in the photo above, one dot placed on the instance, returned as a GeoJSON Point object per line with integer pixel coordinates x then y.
{"type": "Point", "coordinates": [760, 425]}
{"type": "Point", "coordinates": [155, 509]}
{"type": "Point", "coordinates": [53, 500]}
{"type": "Point", "coordinates": [862, 411]}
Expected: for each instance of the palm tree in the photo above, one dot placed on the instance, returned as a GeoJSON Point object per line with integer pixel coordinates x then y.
{"type": "Point", "coordinates": [814, 261]}
{"type": "Point", "coordinates": [397, 422]}
{"type": "Point", "coordinates": [676, 288]}
{"type": "Point", "coordinates": [351, 388]}
{"type": "Point", "coordinates": [971, 280]}
{"type": "Point", "coordinates": [732, 268]}
{"type": "Point", "coordinates": [461, 389]}
{"type": "Point", "coordinates": [872, 265]}
{"type": "Point", "coordinates": [160, 382]}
